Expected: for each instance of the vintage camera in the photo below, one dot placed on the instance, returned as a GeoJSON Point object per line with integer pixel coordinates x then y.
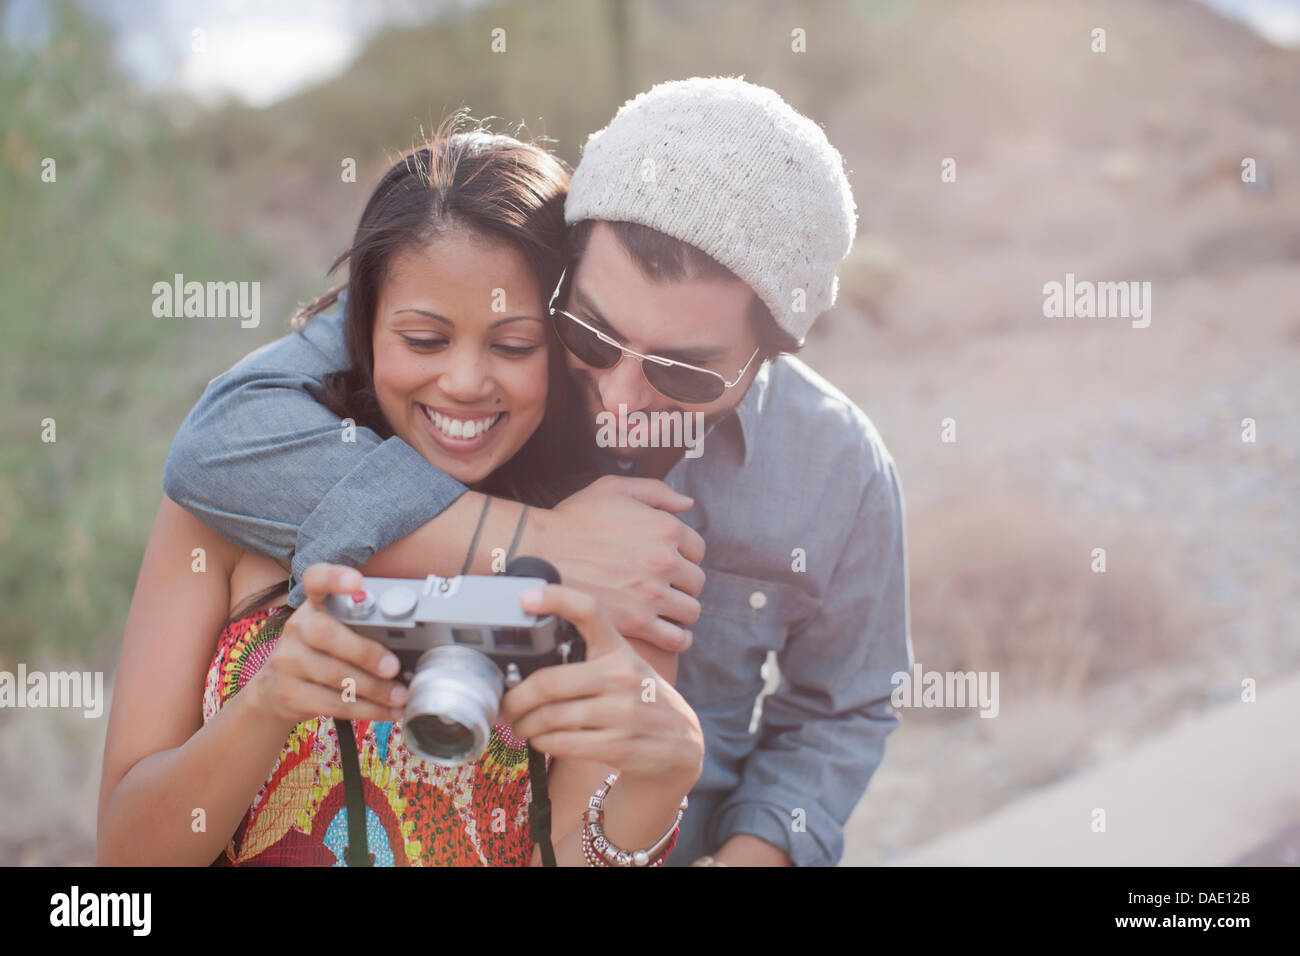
{"type": "Point", "coordinates": [462, 642]}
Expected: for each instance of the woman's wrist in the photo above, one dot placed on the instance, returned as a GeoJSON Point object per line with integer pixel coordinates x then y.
{"type": "Point", "coordinates": [256, 697]}
{"type": "Point", "coordinates": [639, 809]}
{"type": "Point", "coordinates": [645, 840]}
{"type": "Point", "coordinates": [660, 786]}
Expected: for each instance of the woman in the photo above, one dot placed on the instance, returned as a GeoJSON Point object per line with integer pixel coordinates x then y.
{"type": "Point", "coordinates": [217, 732]}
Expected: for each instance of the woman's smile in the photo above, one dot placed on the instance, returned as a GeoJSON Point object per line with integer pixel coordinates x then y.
{"type": "Point", "coordinates": [461, 432]}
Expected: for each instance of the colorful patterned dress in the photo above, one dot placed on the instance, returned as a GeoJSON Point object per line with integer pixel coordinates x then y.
{"type": "Point", "coordinates": [418, 814]}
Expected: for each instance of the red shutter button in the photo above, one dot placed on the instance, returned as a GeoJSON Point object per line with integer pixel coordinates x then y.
{"type": "Point", "coordinates": [361, 604]}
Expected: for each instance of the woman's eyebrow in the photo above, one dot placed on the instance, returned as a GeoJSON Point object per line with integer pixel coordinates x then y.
{"type": "Point", "coordinates": [433, 315]}
{"type": "Point", "coordinates": [450, 324]}
{"type": "Point", "coordinates": [516, 318]}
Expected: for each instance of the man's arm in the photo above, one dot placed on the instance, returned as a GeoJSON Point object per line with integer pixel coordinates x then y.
{"type": "Point", "coordinates": [262, 463]}
{"type": "Point", "coordinates": [824, 729]}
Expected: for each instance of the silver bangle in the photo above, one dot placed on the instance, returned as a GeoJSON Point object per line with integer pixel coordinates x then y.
{"type": "Point", "coordinates": [593, 818]}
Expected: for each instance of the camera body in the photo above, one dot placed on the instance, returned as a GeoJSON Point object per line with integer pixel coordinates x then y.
{"type": "Point", "coordinates": [461, 642]}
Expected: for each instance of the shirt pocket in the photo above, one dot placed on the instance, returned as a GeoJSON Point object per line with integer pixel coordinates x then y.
{"type": "Point", "coordinates": [742, 619]}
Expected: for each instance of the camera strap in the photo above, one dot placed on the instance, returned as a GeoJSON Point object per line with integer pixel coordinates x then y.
{"type": "Point", "coordinates": [539, 808]}
{"type": "Point", "coordinates": [357, 852]}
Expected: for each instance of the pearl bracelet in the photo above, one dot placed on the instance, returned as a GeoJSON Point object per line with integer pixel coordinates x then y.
{"type": "Point", "coordinates": [598, 851]}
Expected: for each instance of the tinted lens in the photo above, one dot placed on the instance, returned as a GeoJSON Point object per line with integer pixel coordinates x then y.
{"type": "Point", "coordinates": [584, 343]}
{"type": "Point", "coordinates": [684, 384]}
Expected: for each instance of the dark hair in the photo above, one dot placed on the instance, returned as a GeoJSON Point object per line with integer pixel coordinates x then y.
{"type": "Point", "coordinates": [498, 187]}
{"type": "Point", "coordinates": [662, 258]}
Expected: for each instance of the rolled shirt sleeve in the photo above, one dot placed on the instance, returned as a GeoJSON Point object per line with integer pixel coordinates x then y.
{"type": "Point", "coordinates": [823, 730]}
{"type": "Point", "coordinates": [264, 464]}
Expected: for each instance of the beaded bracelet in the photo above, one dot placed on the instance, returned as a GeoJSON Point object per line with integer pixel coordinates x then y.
{"type": "Point", "coordinates": [595, 859]}
{"type": "Point", "coordinates": [598, 851]}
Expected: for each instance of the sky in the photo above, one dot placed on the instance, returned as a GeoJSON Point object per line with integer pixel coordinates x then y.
{"type": "Point", "coordinates": [258, 52]}
{"type": "Point", "coordinates": [261, 52]}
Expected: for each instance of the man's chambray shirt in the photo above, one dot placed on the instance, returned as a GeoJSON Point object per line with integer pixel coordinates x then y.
{"type": "Point", "coordinates": [795, 495]}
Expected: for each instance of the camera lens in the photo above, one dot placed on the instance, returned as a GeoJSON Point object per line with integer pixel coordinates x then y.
{"type": "Point", "coordinates": [440, 736]}
{"type": "Point", "coordinates": [455, 697]}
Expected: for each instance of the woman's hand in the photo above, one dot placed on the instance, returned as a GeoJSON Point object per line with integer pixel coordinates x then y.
{"type": "Point", "coordinates": [314, 656]}
{"type": "Point", "coordinates": [613, 707]}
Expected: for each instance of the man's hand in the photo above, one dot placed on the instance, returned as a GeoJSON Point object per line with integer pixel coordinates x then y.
{"type": "Point", "coordinates": [617, 540]}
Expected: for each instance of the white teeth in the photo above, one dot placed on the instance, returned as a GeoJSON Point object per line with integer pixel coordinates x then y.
{"type": "Point", "coordinates": [460, 428]}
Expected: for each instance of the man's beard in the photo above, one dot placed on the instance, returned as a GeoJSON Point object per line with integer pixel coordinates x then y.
{"type": "Point", "coordinates": [594, 406]}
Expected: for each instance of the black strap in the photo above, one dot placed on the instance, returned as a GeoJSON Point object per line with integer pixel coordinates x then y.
{"type": "Point", "coordinates": [539, 809]}
{"type": "Point", "coordinates": [357, 852]}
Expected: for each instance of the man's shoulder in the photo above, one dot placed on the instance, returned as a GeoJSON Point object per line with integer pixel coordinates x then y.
{"type": "Point", "coordinates": [826, 421]}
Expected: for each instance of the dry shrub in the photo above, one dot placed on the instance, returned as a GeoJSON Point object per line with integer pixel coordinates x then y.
{"type": "Point", "coordinates": [1003, 585]}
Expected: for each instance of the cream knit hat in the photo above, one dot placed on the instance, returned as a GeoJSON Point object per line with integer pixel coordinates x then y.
{"type": "Point", "coordinates": [732, 169]}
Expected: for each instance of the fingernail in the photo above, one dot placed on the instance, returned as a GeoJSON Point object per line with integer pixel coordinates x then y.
{"type": "Point", "coordinates": [530, 597]}
{"type": "Point", "coordinates": [389, 665]}
{"type": "Point", "coordinates": [398, 696]}
{"type": "Point", "coordinates": [397, 713]}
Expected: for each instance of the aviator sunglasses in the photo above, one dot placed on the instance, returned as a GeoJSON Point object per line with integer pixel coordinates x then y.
{"type": "Point", "coordinates": [674, 380]}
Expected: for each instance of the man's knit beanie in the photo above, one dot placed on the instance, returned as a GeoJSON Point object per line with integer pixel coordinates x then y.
{"type": "Point", "coordinates": [732, 169]}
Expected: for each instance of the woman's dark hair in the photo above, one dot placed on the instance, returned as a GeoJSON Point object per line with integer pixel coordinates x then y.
{"type": "Point", "coordinates": [498, 187]}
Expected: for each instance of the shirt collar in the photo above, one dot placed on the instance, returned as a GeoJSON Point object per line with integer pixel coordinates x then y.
{"type": "Point", "coordinates": [750, 410]}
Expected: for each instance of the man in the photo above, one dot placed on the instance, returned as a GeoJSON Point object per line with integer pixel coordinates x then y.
{"type": "Point", "coordinates": [709, 220]}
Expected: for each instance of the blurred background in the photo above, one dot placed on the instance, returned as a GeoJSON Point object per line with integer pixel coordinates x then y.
{"type": "Point", "coordinates": [207, 138]}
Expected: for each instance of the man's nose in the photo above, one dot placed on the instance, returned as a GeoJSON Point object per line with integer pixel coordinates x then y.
{"type": "Point", "coordinates": [624, 384]}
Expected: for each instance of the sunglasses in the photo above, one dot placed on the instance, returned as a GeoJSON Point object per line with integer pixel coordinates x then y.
{"type": "Point", "coordinates": [674, 380]}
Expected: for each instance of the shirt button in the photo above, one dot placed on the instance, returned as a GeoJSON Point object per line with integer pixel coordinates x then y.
{"type": "Point", "coordinates": [758, 600]}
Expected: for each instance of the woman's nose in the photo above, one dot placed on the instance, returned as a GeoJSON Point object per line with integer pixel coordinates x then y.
{"type": "Point", "coordinates": [465, 378]}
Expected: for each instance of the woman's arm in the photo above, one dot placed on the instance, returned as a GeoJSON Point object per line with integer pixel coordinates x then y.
{"type": "Point", "coordinates": [173, 788]}
{"type": "Point", "coordinates": [162, 763]}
